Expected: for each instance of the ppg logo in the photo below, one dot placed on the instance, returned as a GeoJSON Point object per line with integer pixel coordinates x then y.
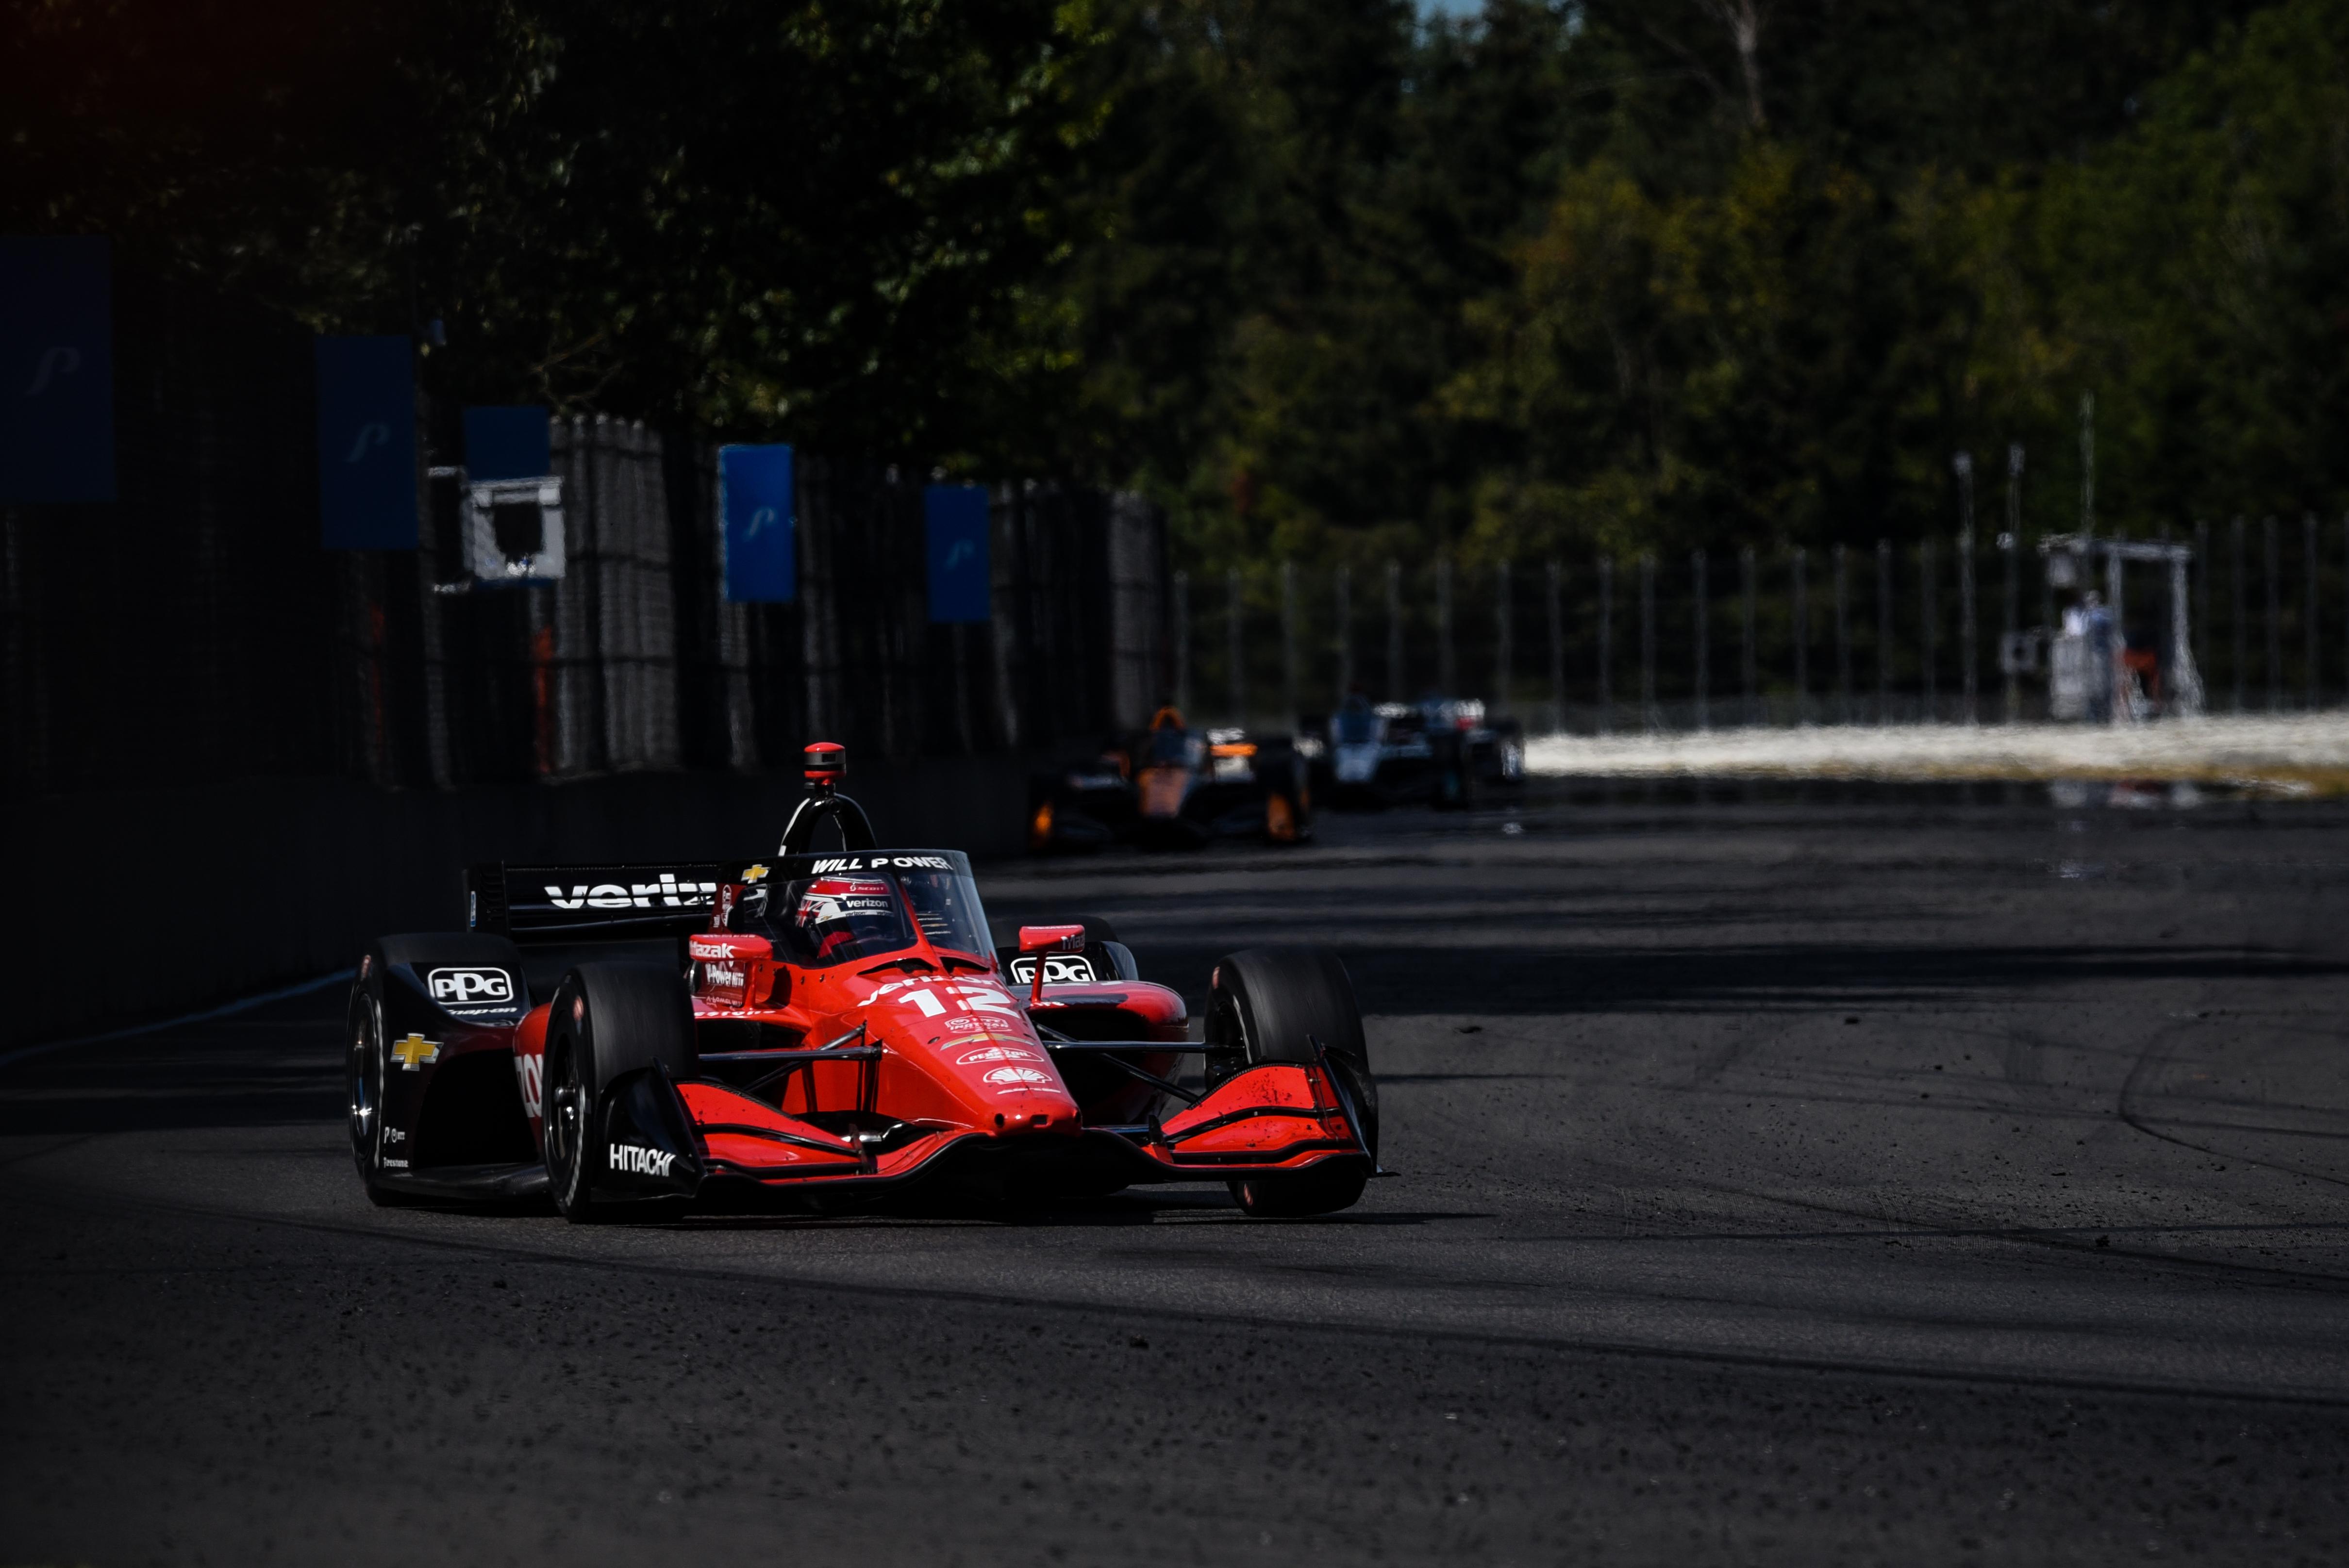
{"type": "Point", "coordinates": [1059, 969]}
{"type": "Point", "coordinates": [462, 986]}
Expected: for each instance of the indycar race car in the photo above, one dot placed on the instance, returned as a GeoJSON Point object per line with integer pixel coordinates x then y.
{"type": "Point", "coordinates": [1174, 787]}
{"type": "Point", "coordinates": [822, 1031]}
{"type": "Point", "coordinates": [1441, 751]}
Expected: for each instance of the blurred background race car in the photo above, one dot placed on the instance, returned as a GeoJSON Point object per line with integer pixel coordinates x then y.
{"type": "Point", "coordinates": [1173, 787]}
{"type": "Point", "coordinates": [1441, 751]}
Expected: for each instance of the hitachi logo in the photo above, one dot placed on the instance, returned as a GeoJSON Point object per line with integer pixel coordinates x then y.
{"type": "Point", "coordinates": [638, 1160]}
{"type": "Point", "coordinates": [666, 893]}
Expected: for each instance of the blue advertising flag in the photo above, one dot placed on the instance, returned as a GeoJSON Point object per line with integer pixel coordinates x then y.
{"type": "Point", "coordinates": [56, 369]}
{"type": "Point", "coordinates": [754, 498]}
{"type": "Point", "coordinates": [507, 444]}
{"type": "Point", "coordinates": [367, 443]}
{"type": "Point", "coordinates": [957, 520]}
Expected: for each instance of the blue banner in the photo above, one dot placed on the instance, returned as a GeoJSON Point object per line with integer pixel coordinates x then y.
{"type": "Point", "coordinates": [957, 520]}
{"type": "Point", "coordinates": [507, 444]}
{"type": "Point", "coordinates": [56, 369]}
{"type": "Point", "coordinates": [755, 499]}
{"type": "Point", "coordinates": [367, 443]}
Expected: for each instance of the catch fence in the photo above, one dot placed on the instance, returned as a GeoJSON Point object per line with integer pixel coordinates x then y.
{"type": "Point", "coordinates": [1890, 633]}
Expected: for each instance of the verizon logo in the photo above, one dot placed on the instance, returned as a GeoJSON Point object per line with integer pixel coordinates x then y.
{"type": "Point", "coordinates": [666, 893]}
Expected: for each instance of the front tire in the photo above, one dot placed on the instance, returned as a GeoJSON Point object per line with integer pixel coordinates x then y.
{"type": "Point", "coordinates": [362, 1077]}
{"type": "Point", "coordinates": [1275, 1005]}
{"type": "Point", "coordinates": [607, 1020]}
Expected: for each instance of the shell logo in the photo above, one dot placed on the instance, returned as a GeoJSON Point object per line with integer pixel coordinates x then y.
{"type": "Point", "coordinates": [1017, 1074]}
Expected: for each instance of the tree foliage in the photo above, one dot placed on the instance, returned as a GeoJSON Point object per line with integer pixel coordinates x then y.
{"type": "Point", "coordinates": [1331, 278]}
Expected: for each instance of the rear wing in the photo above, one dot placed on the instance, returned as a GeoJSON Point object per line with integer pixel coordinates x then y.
{"type": "Point", "coordinates": [610, 902]}
{"type": "Point", "coordinates": [669, 898]}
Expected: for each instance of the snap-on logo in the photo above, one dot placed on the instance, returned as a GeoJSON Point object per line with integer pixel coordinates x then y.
{"type": "Point", "coordinates": [636, 1160]}
{"type": "Point", "coordinates": [666, 893]}
{"type": "Point", "coordinates": [462, 986]}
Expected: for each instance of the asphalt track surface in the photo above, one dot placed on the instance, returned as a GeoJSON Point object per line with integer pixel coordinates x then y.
{"type": "Point", "coordinates": [1830, 1178]}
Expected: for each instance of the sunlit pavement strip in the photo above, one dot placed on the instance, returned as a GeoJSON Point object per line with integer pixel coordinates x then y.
{"type": "Point", "coordinates": [2297, 755]}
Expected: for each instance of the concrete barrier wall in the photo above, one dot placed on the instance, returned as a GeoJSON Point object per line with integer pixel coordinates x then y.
{"type": "Point", "coordinates": [141, 903]}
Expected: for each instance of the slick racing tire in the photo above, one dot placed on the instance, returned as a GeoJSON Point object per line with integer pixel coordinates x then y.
{"type": "Point", "coordinates": [607, 1019]}
{"type": "Point", "coordinates": [363, 1079]}
{"type": "Point", "coordinates": [1271, 1004]}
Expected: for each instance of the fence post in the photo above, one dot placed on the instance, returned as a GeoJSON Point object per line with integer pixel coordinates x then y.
{"type": "Point", "coordinates": [1843, 636]}
{"type": "Point", "coordinates": [1927, 646]}
{"type": "Point", "coordinates": [1967, 654]}
{"type": "Point", "coordinates": [1395, 631]}
{"type": "Point", "coordinates": [1183, 641]}
{"type": "Point", "coordinates": [1648, 716]}
{"type": "Point", "coordinates": [1964, 465]}
{"type": "Point", "coordinates": [1447, 676]}
{"type": "Point", "coordinates": [1703, 642]}
{"type": "Point", "coordinates": [2088, 464]}
{"type": "Point", "coordinates": [2115, 590]}
{"type": "Point", "coordinates": [2012, 543]}
{"type": "Point", "coordinates": [1288, 646]}
{"type": "Point", "coordinates": [1237, 677]}
{"type": "Point", "coordinates": [1556, 657]}
{"type": "Point", "coordinates": [2202, 575]}
{"type": "Point", "coordinates": [1605, 644]}
{"type": "Point", "coordinates": [2007, 544]}
{"type": "Point", "coordinates": [2242, 614]}
{"type": "Point", "coordinates": [1802, 636]}
{"type": "Point", "coordinates": [1746, 666]}
{"type": "Point", "coordinates": [2275, 618]}
{"type": "Point", "coordinates": [1883, 632]}
{"type": "Point", "coordinates": [2308, 614]}
{"type": "Point", "coordinates": [1344, 609]}
{"type": "Point", "coordinates": [1500, 628]}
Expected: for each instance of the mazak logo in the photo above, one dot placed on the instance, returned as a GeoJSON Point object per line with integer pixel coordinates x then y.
{"type": "Point", "coordinates": [459, 986]}
{"type": "Point", "coordinates": [638, 1161]}
{"type": "Point", "coordinates": [666, 893]}
{"type": "Point", "coordinates": [1019, 1076]}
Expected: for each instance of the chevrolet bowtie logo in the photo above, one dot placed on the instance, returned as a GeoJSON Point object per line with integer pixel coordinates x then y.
{"type": "Point", "coordinates": [754, 874]}
{"type": "Point", "coordinates": [415, 1051]}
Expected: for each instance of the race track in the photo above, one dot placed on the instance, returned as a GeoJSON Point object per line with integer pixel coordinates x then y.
{"type": "Point", "coordinates": [1847, 1175]}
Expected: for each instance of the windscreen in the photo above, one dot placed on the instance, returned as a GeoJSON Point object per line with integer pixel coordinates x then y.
{"type": "Point", "coordinates": [849, 915]}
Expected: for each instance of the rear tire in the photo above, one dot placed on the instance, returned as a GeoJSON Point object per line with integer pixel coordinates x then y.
{"type": "Point", "coordinates": [607, 1020]}
{"type": "Point", "coordinates": [1271, 1004]}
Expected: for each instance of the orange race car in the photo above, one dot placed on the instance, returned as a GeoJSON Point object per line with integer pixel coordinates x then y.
{"type": "Point", "coordinates": [821, 1030]}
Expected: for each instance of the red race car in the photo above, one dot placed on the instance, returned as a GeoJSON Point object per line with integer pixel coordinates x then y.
{"type": "Point", "coordinates": [821, 1030]}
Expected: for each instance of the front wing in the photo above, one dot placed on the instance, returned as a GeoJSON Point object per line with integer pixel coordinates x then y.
{"type": "Point", "coordinates": [697, 1139]}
